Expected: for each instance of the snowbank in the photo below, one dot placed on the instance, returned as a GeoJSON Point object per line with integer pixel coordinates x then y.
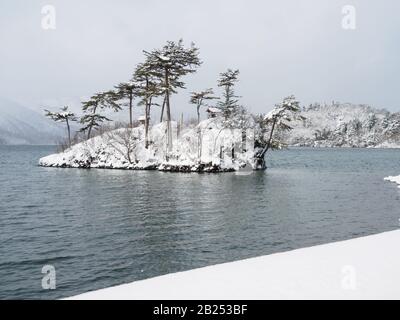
{"type": "Point", "coordinates": [204, 148]}
{"type": "Point", "coordinates": [388, 145]}
{"type": "Point", "coordinates": [363, 268]}
{"type": "Point", "coordinates": [393, 179]}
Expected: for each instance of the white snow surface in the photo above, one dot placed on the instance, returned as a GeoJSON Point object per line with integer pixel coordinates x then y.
{"type": "Point", "coordinates": [110, 150]}
{"type": "Point", "coordinates": [395, 179]}
{"type": "Point", "coordinates": [362, 268]}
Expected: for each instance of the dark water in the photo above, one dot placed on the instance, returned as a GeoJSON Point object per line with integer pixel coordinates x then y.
{"type": "Point", "coordinates": [100, 228]}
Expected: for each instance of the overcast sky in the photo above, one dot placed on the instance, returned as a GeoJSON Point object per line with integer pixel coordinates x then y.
{"type": "Point", "coordinates": [281, 47]}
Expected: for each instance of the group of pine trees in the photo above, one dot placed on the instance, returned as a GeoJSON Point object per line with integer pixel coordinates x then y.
{"type": "Point", "coordinates": [153, 82]}
{"type": "Point", "coordinates": [159, 76]}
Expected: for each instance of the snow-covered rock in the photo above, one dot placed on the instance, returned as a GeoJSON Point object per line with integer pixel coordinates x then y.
{"type": "Point", "coordinates": [345, 125]}
{"type": "Point", "coordinates": [197, 149]}
{"type": "Point", "coordinates": [393, 179]}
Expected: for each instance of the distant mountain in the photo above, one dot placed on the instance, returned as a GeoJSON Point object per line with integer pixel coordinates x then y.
{"type": "Point", "coordinates": [21, 125]}
{"type": "Point", "coordinates": [345, 125]}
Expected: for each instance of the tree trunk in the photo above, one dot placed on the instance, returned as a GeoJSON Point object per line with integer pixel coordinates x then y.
{"type": "Point", "coordinates": [162, 110]}
{"type": "Point", "coordinates": [198, 114]}
{"type": "Point", "coordinates": [266, 148]}
{"type": "Point", "coordinates": [69, 133]}
{"type": "Point", "coordinates": [181, 122]}
{"type": "Point", "coordinates": [260, 161]}
{"type": "Point", "coordinates": [89, 132]}
{"type": "Point", "coordinates": [91, 123]}
{"type": "Point", "coordinates": [130, 110]}
{"type": "Point", "coordinates": [199, 144]}
{"type": "Point", "coordinates": [167, 103]}
{"type": "Point", "coordinates": [227, 102]}
{"type": "Point", "coordinates": [146, 123]}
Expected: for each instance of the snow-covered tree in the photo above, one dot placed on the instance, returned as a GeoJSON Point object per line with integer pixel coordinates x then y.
{"type": "Point", "coordinates": [235, 116]}
{"type": "Point", "coordinates": [149, 87]}
{"type": "Point", "coordinates": [92, 121]}
{"type": "Point", "coordinates": [92, 118]}
{"type": "Point", "coordinates": [127, 91]}
{"type": "Point", "coordinates": [172, 61]}
{"type": "Point", "coordinates": [124, 141]}
{"type": "Point", "coordinates": [229, 103]}
{"type": "Point", "coordinates": [372, 121]}
{"type": "Point", "coordinates": [199, 99]}
{"type": "Point", "coordinates": [64, 116]}
{"type": "Point", "coordinates": [110, 100]}
{"type": "Point", "coordinates": [276, 120]}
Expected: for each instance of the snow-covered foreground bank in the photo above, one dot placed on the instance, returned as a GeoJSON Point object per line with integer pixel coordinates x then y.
{"type": "Point", "coordinates": [394, 179]}
{"type": "Point", "coordinates": [362, 268]}
{"type": "Point", "coordinates": [205, 148]}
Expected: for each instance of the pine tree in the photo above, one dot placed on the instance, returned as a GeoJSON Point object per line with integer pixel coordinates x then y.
{"type": "Point", "coordinates": [172, 61]}
{"type": "Point", "coordinates": [199, 98]}
{"type": "Point", "coordinates": [63, 116]}
{"type": "Point", "coordinates": [92, 118]}
{"type": "Point", "coordinates": [277, 119]}
{"type": "Point", "coordinates": [109, 100]}
{"type": "Point", "coordinates": [92, 121]}
{"type": "Point", "coordinates": [148, 87]}
{"type": "Point", "coordinates": [229, 103]}
{"type": "Point", "coordinates": [127, 91]}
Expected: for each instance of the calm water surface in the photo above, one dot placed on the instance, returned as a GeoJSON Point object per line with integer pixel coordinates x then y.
{"type": "Point", "coordinates": [100, 228]}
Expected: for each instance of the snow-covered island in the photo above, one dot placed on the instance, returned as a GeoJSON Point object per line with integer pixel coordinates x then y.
{"type": "Point", "coordinates": [230, 139]}
{"type": "Point", "coordinates": [211, 146]}
{"type": "Point", "coordinates": [202, 148]}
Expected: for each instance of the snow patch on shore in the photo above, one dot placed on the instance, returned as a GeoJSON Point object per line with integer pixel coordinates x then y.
{"type": "Point", "coordinates": [362, 268]}
{"type": "Point", "coordinates": [395, 179]}
{"type": "Point", "coordinates": [388, 145]}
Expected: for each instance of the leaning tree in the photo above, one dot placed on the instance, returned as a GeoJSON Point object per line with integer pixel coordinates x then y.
{"type": "Point", "coordinates": [199, 99]}
{"type": "Point", "coordinates": [276, 120]}
{"type": "Point", "coordinates": [173, 61]}
{"type": "Point", "coordinates": [63, 116]}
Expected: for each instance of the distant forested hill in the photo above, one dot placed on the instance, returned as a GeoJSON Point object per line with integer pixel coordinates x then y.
{"type": "Point", "coordinates": [345, 125]}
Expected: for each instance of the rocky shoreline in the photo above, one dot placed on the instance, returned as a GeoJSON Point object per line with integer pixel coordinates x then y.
{"type": "Point", "coordinates": [164, 167]}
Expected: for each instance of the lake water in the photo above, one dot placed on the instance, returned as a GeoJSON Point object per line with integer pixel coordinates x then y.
{"type": "Point", "coordinates": [101, 228]}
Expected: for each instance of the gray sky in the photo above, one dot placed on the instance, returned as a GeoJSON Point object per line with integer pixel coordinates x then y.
{"type": "Point", "coordinates": [281, 48]}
